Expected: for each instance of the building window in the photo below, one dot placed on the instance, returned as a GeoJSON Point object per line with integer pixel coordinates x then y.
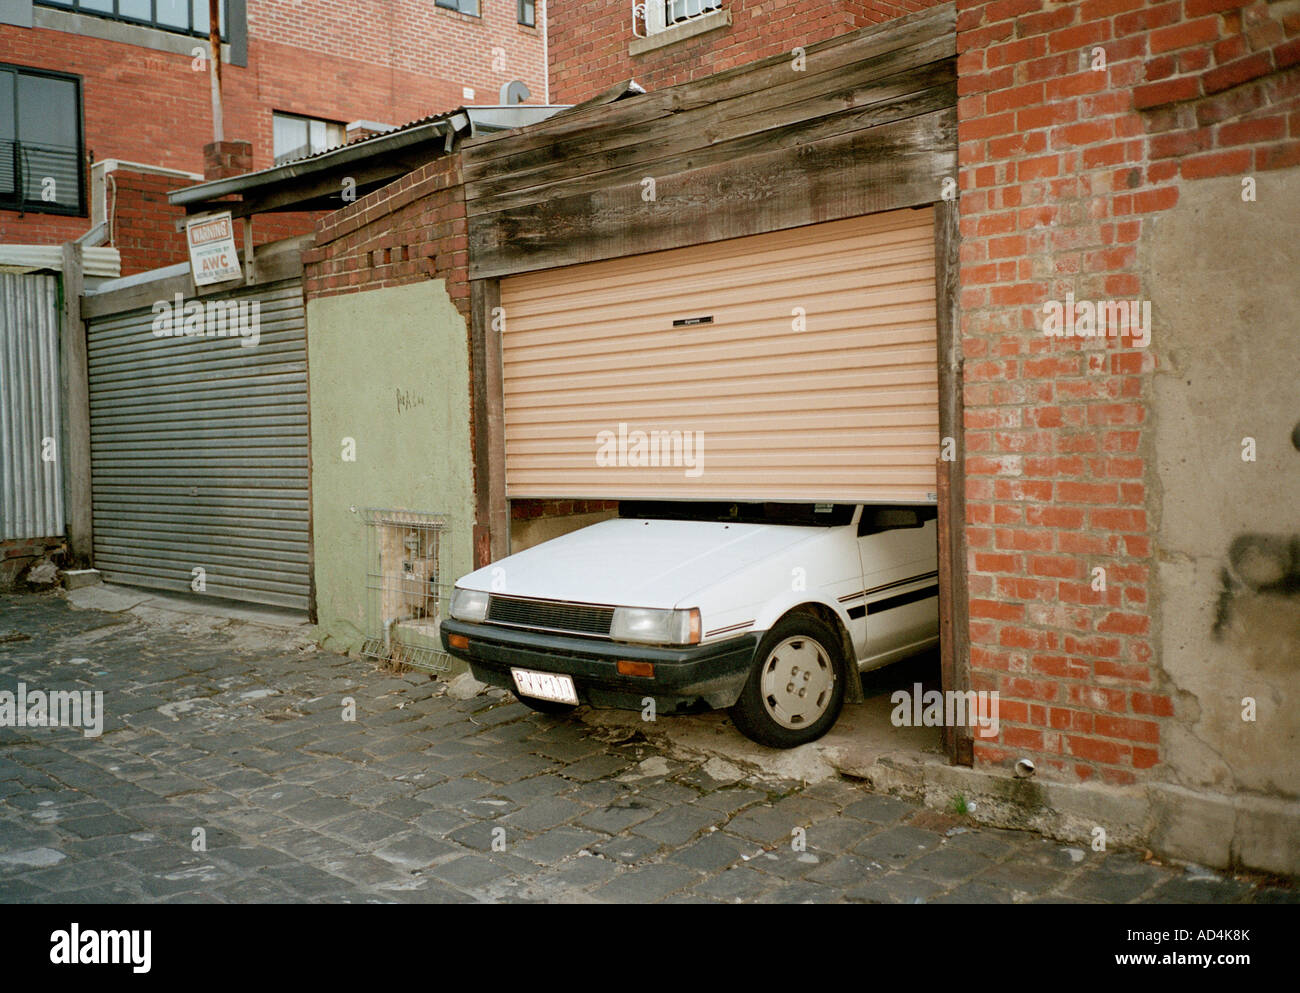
{"type": "Point", "coordinates": [528, 13]}
{"type": "Point", "coordinates": [683, 10]}
{"type": "Point", "coordinates": [296, 136]}
{"type": "Point", "coordinates": [40, 142]}
{"type": "Point", "coordinates": [654, 16]}
{"type": "Point", "coordinates": [179, 16]}
{"type": "Point", "coordinates": [464, 6]}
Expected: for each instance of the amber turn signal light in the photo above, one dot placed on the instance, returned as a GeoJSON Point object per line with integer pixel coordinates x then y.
{"type": "Point", "coordinates": [458, 641]}
{"type": "Point", "coordinates": [626, 667]}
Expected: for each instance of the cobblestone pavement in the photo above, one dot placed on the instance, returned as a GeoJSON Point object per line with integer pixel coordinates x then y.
{"type": "Point", "coordinates": [239, 731]}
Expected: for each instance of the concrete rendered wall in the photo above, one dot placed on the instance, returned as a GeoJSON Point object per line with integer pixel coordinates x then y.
{"type": "Point", "coordinates": [1224, 279]}
{"type": "Point", "coordinates": [389, 368]}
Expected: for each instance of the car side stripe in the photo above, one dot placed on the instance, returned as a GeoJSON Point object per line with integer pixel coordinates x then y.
{"type": "Point", "coordinates": [901, 599]}
{"type": "Point", "coordinates": [889, 586]}
{"type": "Point", "coordinates": [730, 628]}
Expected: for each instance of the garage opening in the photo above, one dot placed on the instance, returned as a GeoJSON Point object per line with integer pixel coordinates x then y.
{"type": "Point", "coordinates": [794, 368]}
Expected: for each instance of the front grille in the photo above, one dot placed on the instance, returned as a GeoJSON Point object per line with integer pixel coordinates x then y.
{"type": "Point", "coordinates": [550, 615]}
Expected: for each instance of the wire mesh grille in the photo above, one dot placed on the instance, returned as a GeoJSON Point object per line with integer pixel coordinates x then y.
{"type": "Point", "coordinates": [406, 597]}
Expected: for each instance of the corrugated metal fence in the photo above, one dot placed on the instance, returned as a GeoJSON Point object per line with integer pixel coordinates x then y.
{"type": "Point", "coordinates": [31, 483]}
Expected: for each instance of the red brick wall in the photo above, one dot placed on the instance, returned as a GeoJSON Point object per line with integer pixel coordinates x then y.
{"type": "Point", "coordinates": [527, 510]}
{"type": "Point", "coordinates": [398, 61]}
{"type": "Point", "coordinates": [589, 43]}
{"type": "Point", "coordinates": [1061, 169]}
{"type": "Point", "coordinates": [143, 223]}
{"type": "Point", "coordinates": [41, 229]}
{"type": "Point", "coordinates": [410, 230]}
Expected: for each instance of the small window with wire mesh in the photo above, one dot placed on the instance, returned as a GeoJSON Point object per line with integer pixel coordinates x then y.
{"type": "Point", "coordinates": [406, 598]}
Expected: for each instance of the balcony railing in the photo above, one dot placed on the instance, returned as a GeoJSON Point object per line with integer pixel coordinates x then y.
{"type": "Point", "coordinates": [650, 17]}
{"type": "Point", "coordinates": [40, 178]}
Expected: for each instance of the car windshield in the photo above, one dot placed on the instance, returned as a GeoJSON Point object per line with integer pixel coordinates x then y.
{"type": "Point", "coordinates": [801, 514]}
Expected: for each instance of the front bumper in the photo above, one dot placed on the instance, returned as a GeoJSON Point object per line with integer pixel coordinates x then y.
{"type": "Point", "coordinates": [698, 677]}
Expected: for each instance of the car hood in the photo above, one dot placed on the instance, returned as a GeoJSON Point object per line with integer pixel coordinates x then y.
{"type": "Point", "coordinates": [637, 563]}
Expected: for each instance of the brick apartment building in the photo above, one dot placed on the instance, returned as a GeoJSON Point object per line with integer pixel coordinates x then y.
{"type": "Point", "coordinates": [119, 81]}
{"type": "Point", "coordinates": [673, 41]}
{"type": "Point", "coordinates": [106, 106]}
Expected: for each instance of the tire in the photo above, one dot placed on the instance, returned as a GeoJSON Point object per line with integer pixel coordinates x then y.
{"type": "Point", "coordinates": [796, 689]}
{"type": "Point", "coordinates": [551, 707]}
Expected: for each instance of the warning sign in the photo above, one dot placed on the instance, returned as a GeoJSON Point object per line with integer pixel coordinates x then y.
{"type": "Point", "coordinates": [213, 258]}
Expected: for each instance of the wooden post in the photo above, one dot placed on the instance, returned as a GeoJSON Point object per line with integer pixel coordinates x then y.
{"type": "Point", "coordinates": [494, 399]}
{"type": "Point", "coordinates": [492, 533]}
{"type": "Point", "coordinates": [250, 269]}
{"type": "Point", "coordinates": [954, 603]}
{"type": "Point", "coordinates": [74, 376]}
{"type": "Point", "coordinates": [947, 666]}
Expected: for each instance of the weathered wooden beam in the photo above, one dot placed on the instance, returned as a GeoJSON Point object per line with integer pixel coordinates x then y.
{"type": "Point", "coordinates": [798, 98]}
{"type": "Point", "coordinates": [494, 318]}
{"type": "Point", "coordinates": [947, 666]}
{"type": "Point", "coordinates": [330, 186]}
{"type": "Point", "coordinates": [891, 166]}
{"type": "Point", "coordinates": [825, 56]}
{"type": "Point", "coordinates": [911, 94]}
{"type": "Point", "coordinates": [272, 268]}
{"type": "Point", "coordinates": [955, 646]}
{"type": "Point", "coordinates": [478, 324]}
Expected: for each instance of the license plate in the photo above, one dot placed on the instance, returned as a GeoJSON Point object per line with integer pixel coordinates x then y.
{"type": "Point", "coordinates": [545, 685]}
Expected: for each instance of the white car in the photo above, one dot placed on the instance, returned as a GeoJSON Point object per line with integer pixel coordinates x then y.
{"type": "Point", "coordinates": [768, 609]}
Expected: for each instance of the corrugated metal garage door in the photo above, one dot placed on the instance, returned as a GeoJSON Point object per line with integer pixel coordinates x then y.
{"type": "Point", "coordinates": [816, 379]}
{"type": "Point", "coordinates": [199, 451]}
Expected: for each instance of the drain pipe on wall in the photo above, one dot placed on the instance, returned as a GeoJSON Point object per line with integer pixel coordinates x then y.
{"type": "Point", "coordinates": [214, 56]}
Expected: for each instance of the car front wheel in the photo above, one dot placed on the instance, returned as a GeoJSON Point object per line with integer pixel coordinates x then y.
{"type": "Point", "coordinates": [796, 689]}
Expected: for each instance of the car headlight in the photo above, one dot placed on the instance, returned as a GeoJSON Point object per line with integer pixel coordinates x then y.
{"type": "Point", "coordinates": [656, 627]}
{"type": "Point", "coordinates": [469, 605]}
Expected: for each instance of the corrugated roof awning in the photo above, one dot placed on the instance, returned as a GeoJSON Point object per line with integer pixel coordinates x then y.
{"type": "Point", "coordinates": [316, 182]}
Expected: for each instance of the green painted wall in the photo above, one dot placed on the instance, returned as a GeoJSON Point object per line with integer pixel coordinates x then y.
{"type": "Point", "coordinates": [390, 369]}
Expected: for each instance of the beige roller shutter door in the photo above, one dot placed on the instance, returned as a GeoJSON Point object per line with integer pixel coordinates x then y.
{"type": "Point", "coordinates": [815, 379]}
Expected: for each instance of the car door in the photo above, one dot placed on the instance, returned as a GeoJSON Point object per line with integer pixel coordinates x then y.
{"type": "Point", "coordinates": [898, 551]}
